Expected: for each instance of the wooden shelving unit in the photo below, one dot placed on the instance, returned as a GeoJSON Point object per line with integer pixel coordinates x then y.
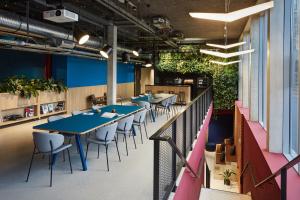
{"type": "Point", "coordinates": [14, 104]}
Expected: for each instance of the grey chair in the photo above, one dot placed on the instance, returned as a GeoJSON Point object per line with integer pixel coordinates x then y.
{"type": "Point", "coordinates": [165, 106]}
{"type": "Point", "coordinates": [48, 144]}
{"type": "Point", "coordinates": [104, 136]}
{"type": "Point", "coordinates": [147, 106]}
{"type": "Point", "coordinates": [125, 128]}
{"type": "Point", "coordinates": [77, 112]}
{"type": "Point", "coordinates": [139, 120]}
{"type": "Point", "coordinates": [173, 102]}
{"type": "Point", "coordinates": [96, 107]}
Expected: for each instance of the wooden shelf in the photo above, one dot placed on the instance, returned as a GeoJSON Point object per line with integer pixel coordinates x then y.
{"type": "Point", "coordinates": [53, 113]}
{"type": "Point", "coordinates": [14, 104]}
{"type": "Point", "coordinates": [18, 121]}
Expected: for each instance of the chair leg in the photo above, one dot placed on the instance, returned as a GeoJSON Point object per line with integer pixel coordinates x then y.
{"type": "Point", "coordinates": [98, 150]}
{"type": "Point", "coordinates": [64, 158]}
{"type": "Point", "coordinates": [126, 144]}
{"type": "Point", "coordinates": [30, 165]}
{"type": "Point", "coordinates": [146, 131]}
{"type": "Point", "coordinates": [118, 149]}
{"type": "Point", "coordinates": [51, 169]}
{"type": "Point", "coordinates": [141, 133]}
{"type": "Point", "coordinates": [134, 141]}
{"type": "Point", "coordinates": [70, 161]}
{"type": "Point", "coordinates": [106, 147]}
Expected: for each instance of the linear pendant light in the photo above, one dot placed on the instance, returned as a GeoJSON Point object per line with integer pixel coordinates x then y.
{"type": "Point", "coordinates": [229, 46]}
{"type": "Point", "coordinates": [224, 63]}
{"type": "Point", "coordinates": [226, 55]}
{"type": "Point", "coordinates": [235, 15]}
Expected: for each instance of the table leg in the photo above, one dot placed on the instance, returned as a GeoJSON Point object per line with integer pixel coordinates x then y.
{"type": "Point", "coordinates": [80, 149]}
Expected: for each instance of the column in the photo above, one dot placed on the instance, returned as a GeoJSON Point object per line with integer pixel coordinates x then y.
{"type": "Point", "coordinates": [112, 65]}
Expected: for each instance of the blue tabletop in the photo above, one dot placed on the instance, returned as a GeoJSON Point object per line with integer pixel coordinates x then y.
{"type": "Point", "coordinates": [84, 123]}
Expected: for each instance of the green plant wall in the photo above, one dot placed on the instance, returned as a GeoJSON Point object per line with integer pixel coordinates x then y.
{"type": "Point", "coordinates": [190, 60]}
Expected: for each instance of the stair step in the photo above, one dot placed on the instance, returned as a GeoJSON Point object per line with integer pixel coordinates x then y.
{"type": "Point", "coordinates": [212, 194]}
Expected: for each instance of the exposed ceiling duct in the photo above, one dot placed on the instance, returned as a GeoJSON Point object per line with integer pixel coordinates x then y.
{"type": "Point", "coordinates": [16, 24]}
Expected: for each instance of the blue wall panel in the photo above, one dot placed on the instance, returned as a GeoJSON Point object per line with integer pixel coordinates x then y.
{"type": "Point", "coordinates": [19, 63]}
{"type": "Point", "coordinates": [85, 72]}
{"type": "Point", "coordinates": [125, 73]}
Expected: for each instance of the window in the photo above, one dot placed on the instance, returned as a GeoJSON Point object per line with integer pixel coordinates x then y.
{"type": "Point", "coordinates": [291, 51]}
{"type": "Point", "coordinates": [294, 79]}
{"type": "Point", "coordinates": [262, 79]}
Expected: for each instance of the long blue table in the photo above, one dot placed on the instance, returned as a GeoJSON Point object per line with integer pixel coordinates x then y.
{"type": "Point", "coordinates": [85, 123]}
{"type": "Point", "coordinates": [153, 100]}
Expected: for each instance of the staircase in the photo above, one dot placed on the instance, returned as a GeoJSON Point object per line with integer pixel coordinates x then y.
{"type": "Point", "coordinates": [211, 194]}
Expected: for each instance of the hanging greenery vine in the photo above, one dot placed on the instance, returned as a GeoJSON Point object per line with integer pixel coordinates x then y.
{"type": "Point", "coordinates": [190, 60]}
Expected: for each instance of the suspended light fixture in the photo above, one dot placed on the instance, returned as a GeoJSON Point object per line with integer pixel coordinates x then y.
{"type": "Point", "coordinates": [148, 63]}
{"type": "Point", "coordinates": [105, 51]}
{"type": "Point", "coordinates": [80, 36]}
{"type": "Point", "coordinates": [125, 57]}
{"type": "Point", "coordinates": [224, 63]}
{"type": "Point", "coordinates": [226, 55]}
{"type": "Point", "coordinates": [233, 16]}
{"type": "Point", "coordinates": [229, 46]}
{"type": "Point", "coordinates": [137, 51]}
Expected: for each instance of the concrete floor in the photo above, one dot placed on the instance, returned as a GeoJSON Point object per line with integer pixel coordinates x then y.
{"type": "Point", "coordinates": [132, 178]}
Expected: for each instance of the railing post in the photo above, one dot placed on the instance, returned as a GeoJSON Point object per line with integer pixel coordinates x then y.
{"type": "Point", "coordinates": [197, 117]}
{"type": "Point", "coordinates": [173, 152]}
{"type": "Point", "coordinates": [283, 176]}
{"type": "Point", "coordinates": [191, 127]}
{"type": "Point", "coordinates": [156, 170]}
{"type": "Point", "coordinates": [207, 176]}
{"type": "Point", "coordinates": [184, 133]}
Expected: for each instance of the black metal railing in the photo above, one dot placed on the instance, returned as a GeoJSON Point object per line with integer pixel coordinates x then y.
{"type": "Point", "coordinates": [172, 143]}
{"type": "Point", "coordinates": [282, 172]}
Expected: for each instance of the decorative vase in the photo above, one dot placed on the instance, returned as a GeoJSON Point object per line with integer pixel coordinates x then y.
{"type": "Point", "coordinates": [226, 181]}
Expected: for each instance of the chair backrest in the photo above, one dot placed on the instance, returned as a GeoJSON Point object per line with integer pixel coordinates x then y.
{"type": "Point", "coordinates": [96, 107]}
{"type": "Point", "coordinates": [42, 141]}
{"type": "Point", "coordinates": [174, 99]}
{"type": "Point", "coordinates": [144, 104]}
{"type": "Point", "coordinates": [140, 116]}
{"type": "Point", "coordinates": [77, 112]}
{"type": "Point", "coordinates": [55, 118]}
{"type": "Point", "coordinates": [125, 124]}
{"type": "Point", "coordinates": [107, 133]}
{"type": "Point", "coordinates": [165, 102]}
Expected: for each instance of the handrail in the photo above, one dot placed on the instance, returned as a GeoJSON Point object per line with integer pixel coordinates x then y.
{"type": "Point", "coordinates": [287, 166]}
{"type": "Point", "coordinates": [157, 134]}
{"type": "Point", "coordinates": [282, 171]}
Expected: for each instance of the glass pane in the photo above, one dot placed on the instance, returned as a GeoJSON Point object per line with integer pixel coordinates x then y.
{"type": "Point", "coordinates": [294, 79]}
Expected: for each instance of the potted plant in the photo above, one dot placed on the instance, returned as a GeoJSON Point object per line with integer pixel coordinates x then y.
{"type": "Point", "coordinates": [226, 176]}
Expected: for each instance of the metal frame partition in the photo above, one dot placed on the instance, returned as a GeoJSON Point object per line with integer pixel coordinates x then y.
{"type": "Point", "coordinates": [173, 141]}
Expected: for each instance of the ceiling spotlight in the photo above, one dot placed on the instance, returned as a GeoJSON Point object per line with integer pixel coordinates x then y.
{"type": "Point", "coordinates": [105, 51]}
{"type": "Point", "coordinates": [224, 63]}
{"type": "Point", "coordinates": [80, 36]}
{"type": "Point", "coordinates": [235, 15]}
{"type": "Point", "coordinates": [125, 57]}
{"type": "Point", "coordinates": [226, 46]}
{"type": "Point", "coordinates": [137, 51]}
{"type": "Point", "coordinates": [225, 55]}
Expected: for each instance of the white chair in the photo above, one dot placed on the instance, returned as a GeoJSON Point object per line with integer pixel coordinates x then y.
{"type": "Point", "coordinates": [165, 106]}
{"type": "Point", "coordinates": [173, 103]}
{"type": "Point", "coordinates": [48, 144]}
{"type": "Point", "coordinates": [77, 112]}
{"type": "Point", "coordinates": [96, 107]}
{"type": "Point", "coordinates": [104, 136]}
{"type": "Point", "coordinates": [147, 106]}
{"type": "Point", "coordinates": [125, 128]}
{"type": "Point", "coordinates": [139, 120]}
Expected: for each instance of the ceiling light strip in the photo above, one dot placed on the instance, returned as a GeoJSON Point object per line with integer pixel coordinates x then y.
{"type": "Point", "coordinates": [226, 55]}
{"type": "Point", "coordinates": [233, 16]}
{"type": "Point", "coordinates": [224, 63]}
{"type": "Point", "coordinates": [229, 46]}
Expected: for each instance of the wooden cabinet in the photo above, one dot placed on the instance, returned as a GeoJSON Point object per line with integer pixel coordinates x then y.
{"type": "Point", "coordinates": [11, 104]}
